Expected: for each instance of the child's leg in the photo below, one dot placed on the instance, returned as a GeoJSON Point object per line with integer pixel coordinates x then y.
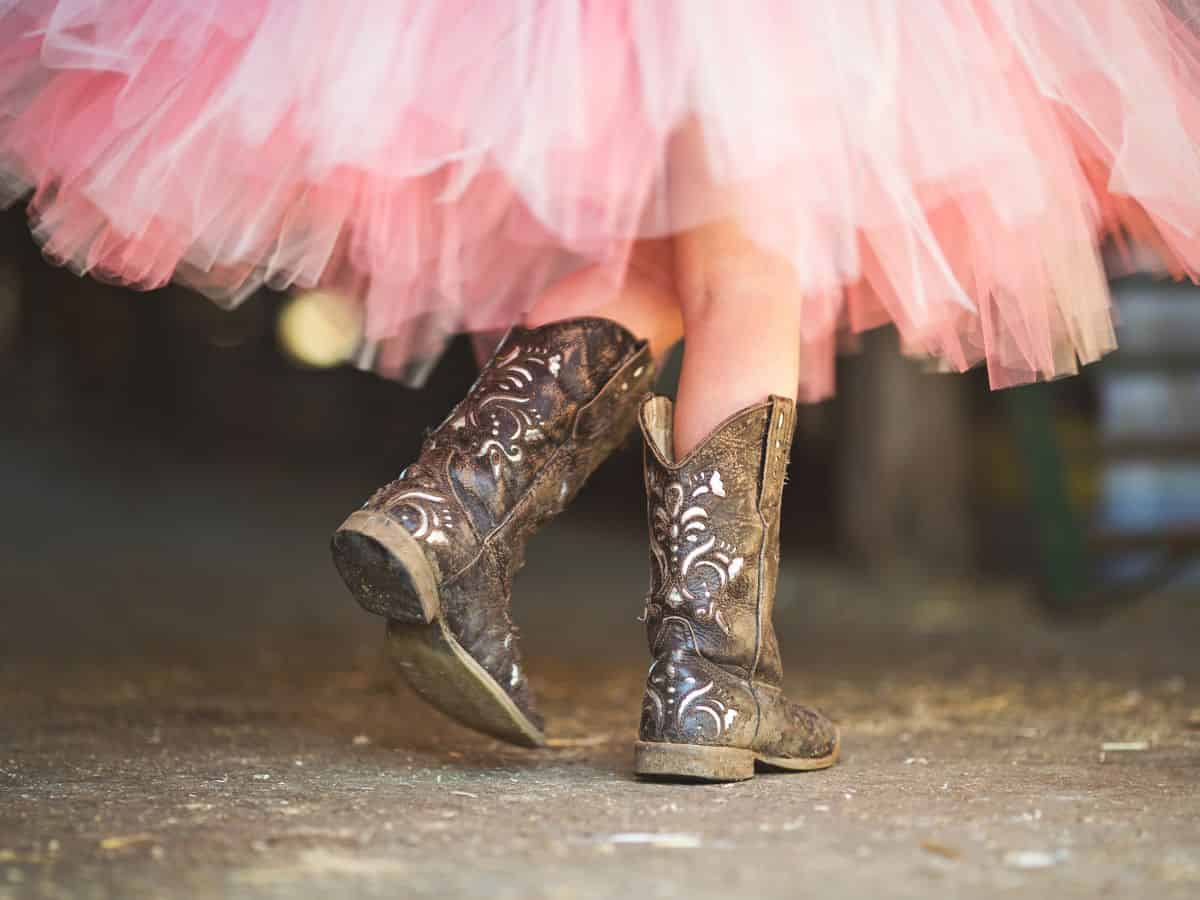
{"type": "Point", "coordinates": [741, 323]}
{"type": "Point", "coordinates": [714, 489]}
{"type": "Point", "coordinates": [646, 304]}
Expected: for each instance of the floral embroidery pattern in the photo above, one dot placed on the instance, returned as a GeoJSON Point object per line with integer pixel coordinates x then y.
{"type": "Point", "coordinates": [673, 694]}
{"type": "Point", "coordinates": [500, 403]}
{"type": "Point", "coordinates": [426, 515]}
{"type": "Point", "coordinates": [499, 407]}
{"type": "Point", "coordinates": [693, 564]}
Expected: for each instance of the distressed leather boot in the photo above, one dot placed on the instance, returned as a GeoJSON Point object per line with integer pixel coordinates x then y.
{"type": "Point", "coordinates": [436, 550]}
{"type": "Point", "coordinates": [714, 703]}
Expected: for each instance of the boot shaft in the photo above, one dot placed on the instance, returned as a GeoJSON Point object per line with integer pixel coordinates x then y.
{"type": "Point", "coordinates": [550, 404]}
{"type": "Point", "coordinates": [714, 537]}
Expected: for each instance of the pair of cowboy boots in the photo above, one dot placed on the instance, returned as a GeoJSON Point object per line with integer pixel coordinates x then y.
{"type": "Point", "coordinates": [436, 550]}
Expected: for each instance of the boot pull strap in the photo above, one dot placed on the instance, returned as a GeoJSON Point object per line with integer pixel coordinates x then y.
{"type": "Point", "coordinates": [778, 448]}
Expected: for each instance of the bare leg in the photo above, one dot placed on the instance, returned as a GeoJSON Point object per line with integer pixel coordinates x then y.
{"type": "Point", "coordinates": [742, 328]}
{"type": "Point", "coordinates": [646, 303]}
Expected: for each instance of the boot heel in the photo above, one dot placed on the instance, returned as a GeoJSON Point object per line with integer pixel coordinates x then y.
{"type": "Point", "coordinates": [693, 761]}
{"type": "Point", "coordinates": [385, 569]}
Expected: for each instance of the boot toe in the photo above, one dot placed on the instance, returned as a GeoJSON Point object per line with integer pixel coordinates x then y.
{"type": "Point", "coordinates": [797, 734]}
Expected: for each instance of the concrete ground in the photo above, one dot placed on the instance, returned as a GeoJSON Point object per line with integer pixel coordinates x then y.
{"type": "Point", "coordinates": [191, 705]}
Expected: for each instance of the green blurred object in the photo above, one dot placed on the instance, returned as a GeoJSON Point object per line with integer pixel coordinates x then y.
{"type": "Point", "coordinates": [1060, 530]}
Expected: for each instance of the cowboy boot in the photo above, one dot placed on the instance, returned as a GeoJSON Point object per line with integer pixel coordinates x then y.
{"type": "Point", "coordinates": [714, 702]}
{"type": "Point", "coordinates": [436, 550]}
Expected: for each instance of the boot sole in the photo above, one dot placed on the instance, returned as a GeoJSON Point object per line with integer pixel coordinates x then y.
{"type": "Point", "coordinates": [386, 571]}
{"type": "Point", "coordinates": [696, 762]}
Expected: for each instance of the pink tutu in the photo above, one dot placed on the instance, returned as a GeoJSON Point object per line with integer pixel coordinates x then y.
{"type": "Point", "coordinates": [950, 166]}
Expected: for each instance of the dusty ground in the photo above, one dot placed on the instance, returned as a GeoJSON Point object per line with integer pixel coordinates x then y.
{"type": "Point", "coordinates": [191, 706]}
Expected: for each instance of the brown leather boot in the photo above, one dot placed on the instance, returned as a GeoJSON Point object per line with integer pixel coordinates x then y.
{"type": "Point", "coordinates": [713, 702]}
{"type": "Point", "coordinates": [436, 550]}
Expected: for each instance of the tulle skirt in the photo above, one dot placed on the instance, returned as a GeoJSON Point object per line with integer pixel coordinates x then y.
{"type": "Point", "coordinates": [949, 166]}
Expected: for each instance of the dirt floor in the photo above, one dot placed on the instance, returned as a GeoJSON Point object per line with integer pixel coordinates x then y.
{"type": "Point", "coordinates": [190, 705]}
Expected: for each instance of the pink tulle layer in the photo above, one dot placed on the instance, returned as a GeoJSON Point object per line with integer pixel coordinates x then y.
{"type": "Point", "coordinates": [951, 167]}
